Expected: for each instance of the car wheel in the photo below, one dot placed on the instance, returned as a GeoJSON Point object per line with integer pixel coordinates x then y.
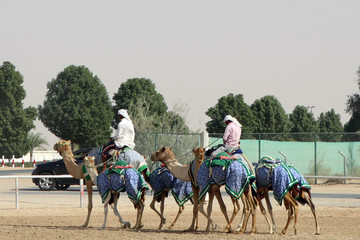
{"type": "Point", "coordinates": [46, 184]}
{"type": "Point", "coordinates": [62, 186]}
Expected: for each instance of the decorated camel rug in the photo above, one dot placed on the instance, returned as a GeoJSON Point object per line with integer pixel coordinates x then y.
{"type": "Point", "coordinates": [161, 178]}
{"type": "Point", "coordinates": [224, 169]}
{"type": "Point", "coordinates": [121, 178]}
{"type": "Point", "coordinates": [276, 175]}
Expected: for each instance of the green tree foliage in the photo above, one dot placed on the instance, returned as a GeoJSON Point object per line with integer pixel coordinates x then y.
{"type": "Point", "coordinates": [15, 120]}
{"type": "Point", "coordinates": [77, 107]}
{"type": "Point", "coordinates": [145, 121]}
{"type": "Point", "coordinates": [36, 142]}
{"type": "Point", "coordinates": [302, 122]}
{"type": "Point", "coordinates": [353, 107]}
{"type": "Point", "coordinates": [328, 123]}
{"type": "Point", "coordinates": [235, 106]}
{"type": "Point", "coordinates": [139, 90]}
{"type": "Point", "coordinates": [271, 116]}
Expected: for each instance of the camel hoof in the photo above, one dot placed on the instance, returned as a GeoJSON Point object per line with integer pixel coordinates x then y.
{"type": "Point", "coordinates": [170, 227]}
{"type": "Point", "coordinates": [138, 227]}
{"type": "Point", "coordinates": [213, 226]}
{"type": "Point", "coordinates": [126, 225]}
{"type": "Point", "coordinates": [101, 228]}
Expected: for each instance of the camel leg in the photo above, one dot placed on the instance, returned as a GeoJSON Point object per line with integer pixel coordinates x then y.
{"type": "Point", "coordinates": [269, 207]}
{"type": "Point", "coordinates": [292, 207]}
{"type": "Point", "coordinates": [124, 223]}
{"type": "Point", "coordinates": [90, 204]}
{"type": "Point", "coordinates": [181, 209]}
{"type": "Point", "coordinates": [312, 206]}
{"type": "Point", "coordinates": [263, 211]}
{"type": "Point", "coordinates": [209, 209]}
{"type": "Point", "coordinates": [236, 206]}
{"type": "Point", "coordinates": [252, 205]}
{"type": "Point", "coordinates": [246, 214]}
{"type": "Point", "coordinates": [106, 210]}
{"type": "Point", "coordinates": [195, 210]}
{"type": "Point", "coordinates": [201, 210]}
{"type": "Point", "coordinates": [162, 219]}
{"type": "Point", "coordinates": [222, 206]}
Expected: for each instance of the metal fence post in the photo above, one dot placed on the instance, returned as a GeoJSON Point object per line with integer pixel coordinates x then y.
{"type": "Point", "coordinates": [315, 157]}
{"type": "Point", "coordinates": [259, 146]}
{"type": "Point", "coordinates": [344, 165]}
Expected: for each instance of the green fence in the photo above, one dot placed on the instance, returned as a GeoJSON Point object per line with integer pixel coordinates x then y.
{"type": "Point", "coordinates": [181, 144]}
{"type": "Point", "coordinates": [319, 154]}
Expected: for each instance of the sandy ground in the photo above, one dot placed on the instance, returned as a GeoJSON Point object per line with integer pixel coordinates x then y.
{"type": "Point", "coordinates": [338, 218]}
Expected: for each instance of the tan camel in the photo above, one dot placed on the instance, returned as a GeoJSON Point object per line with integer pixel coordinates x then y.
{"type": "Point", "coordinates": [75, 170]}
{"type": "Point", "coordinates": [181, 172]}
{"type": "Point", "coordinates": [139, 205]}
{"type": "Point", "coordinates": [158, 182]}
{"type": "Point", "coordinates": [246, 197]}
{"type": "Point", "coordinates": [291, 206]}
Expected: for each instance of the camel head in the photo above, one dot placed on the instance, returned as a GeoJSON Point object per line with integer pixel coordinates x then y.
{"type": "Point", "coordinates": [89, 162]}
{"type": "Point", "coordinates": [162, 155]}
{"type": "Point", "coordinates": [62, 146]}
{"type": "Point", "coordinates": [199, 153]}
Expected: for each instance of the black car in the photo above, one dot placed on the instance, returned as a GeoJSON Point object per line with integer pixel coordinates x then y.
{"type": "Point", "coordinates": [57, 167]}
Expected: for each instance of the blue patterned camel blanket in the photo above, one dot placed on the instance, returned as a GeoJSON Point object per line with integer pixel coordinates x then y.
{"type": "Point", "coordinates": [276, 176]}
{"type": "Point", "coordinates": [298, 176]}
{"type": "Point", "coordinates": [130, 156]}
{"type": "Point", "coordinates": [235, 174]}
{"type": "Point", "coordinates": [120, 179]}
{"type": "Point", "coordinates": [161, 179]}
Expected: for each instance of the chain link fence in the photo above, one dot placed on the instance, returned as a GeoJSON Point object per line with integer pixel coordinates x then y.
{"type": "Point", "coordinates": [182, 145]}
{"type": "Point", "coordinates": [317, 154]}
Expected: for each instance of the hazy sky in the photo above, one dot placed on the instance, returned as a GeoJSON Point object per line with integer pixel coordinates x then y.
{"type": "Point", "coordinates": [302, 52]}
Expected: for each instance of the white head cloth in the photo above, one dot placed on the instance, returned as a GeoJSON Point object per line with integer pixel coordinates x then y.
{"type": "Point", "coordinates": [232, 119]}
{"type": "Point", "coordinates": [124, 113]}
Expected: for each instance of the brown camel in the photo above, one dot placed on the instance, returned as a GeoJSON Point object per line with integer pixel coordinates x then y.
{"type": "Point", "coordinates": [290, 203]}
{"type": "Point", "coordinates": [75, 170]}
{"type": "Point", "coordinates": [246, 197]}
{"type": "Point", "coordinates": [180, 171]}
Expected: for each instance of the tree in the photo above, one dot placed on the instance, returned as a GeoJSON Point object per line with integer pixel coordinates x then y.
{"type": "Point", "coordinates": [143, 90]}
{"type": "Point", "coordinates": [302, 122]}
{"type": "Point", "coordinates": [145, 121]}
{"type": "Point", "coordinates": [36, 142]}
{"type": "Point", "coordinates": [329, 123]}
{"type": "Point", "coordinates": [353, 107]}
{"type": "Point", "coordinates": [77, 107]}
{"type": "Point", "coordinates": [271, 117]}
{"type": "Point", "coordinates": [235, 106]}
{"type": "Point", "coordinates": [15, 120]}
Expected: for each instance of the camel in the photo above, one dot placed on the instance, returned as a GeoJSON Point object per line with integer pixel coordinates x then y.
{"type": "Point", "coordinates": [118, 178]}
{"type": "Point", "coordinates": [91, 171]}
{"type": "Point", "coordinates": [184, 173]}
{"type": "Point", "coordinates": [272, 174]}
{"type": "Point", "coordinates": [237, 179]}
{"type": "Point", "coordinates": [76, 171]}
{"type": "Point", "coordinates": [162, 182]}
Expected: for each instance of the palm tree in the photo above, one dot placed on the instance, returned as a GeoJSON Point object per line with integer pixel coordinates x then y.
{"type": "Point", "coordinates": [36, 141]}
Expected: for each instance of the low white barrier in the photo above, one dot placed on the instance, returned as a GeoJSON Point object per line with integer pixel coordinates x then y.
{"type": "Point", "coordinates": [43, 176]}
